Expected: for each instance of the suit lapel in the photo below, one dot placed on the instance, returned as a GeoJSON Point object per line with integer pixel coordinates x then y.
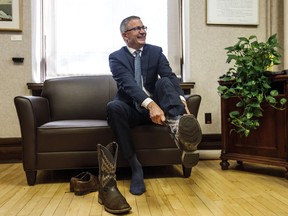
{"type": "Point", "coordinates": [126, 58]}
{"type": "Point", "coordinates": [144, 63]}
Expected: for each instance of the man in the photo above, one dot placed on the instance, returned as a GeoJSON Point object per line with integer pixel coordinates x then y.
{"type": "Point", "coordinates": [148, 99]}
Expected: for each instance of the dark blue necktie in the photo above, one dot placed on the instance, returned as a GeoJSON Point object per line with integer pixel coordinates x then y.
{"type": "Point", "coordinates": [137, 65]}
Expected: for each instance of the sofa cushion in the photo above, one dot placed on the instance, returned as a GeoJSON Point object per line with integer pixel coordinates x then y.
{"type": "Point", "coordinates": [73, 135]}
{"type": "Point", "coordinates": [152, 137]}
{"type": "Point", "coordinates": [84, 135]}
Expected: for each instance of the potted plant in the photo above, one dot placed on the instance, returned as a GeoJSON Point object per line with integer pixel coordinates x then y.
{"type": "Point", "coordinates": [248, 81]}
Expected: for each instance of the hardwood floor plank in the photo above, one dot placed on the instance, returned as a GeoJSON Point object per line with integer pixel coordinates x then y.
{"type": "Point", "coordinates": [152, 199]}
{"type": "Point", "coordinates": [9, 187]}
{"type": "Point", "coordinates": [19, 200]}
{"type": "Point", "coordinates": [273, 205]}
{"type": "Point", "coordinates": [38, 201]}
{"type": "Point", "coordinates": [201, 207]}
{"type": "Point", "coordinates": [164, 205]}
{"type": "Point", "coordinates": [56, 195]}
{"type": "Point", "coordinates": [80, 205]}
{"type": "Point", "coordinates": [247, 206]}
{"type": "Point", "coordinates": [64, 204]}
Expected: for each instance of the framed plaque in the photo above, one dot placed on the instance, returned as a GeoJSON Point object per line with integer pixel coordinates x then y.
{"type": "Point", "coordinates": [233, 12]}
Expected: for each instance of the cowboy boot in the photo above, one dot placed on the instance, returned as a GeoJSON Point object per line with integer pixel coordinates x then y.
{"type": "Point", "coordinates": [187, 134]}
{"type": "Point", "coordinates": [109, 195]}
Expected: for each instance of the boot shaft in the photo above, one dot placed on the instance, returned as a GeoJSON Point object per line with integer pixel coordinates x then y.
{"type": "Point", "coordinates": [107, 158]}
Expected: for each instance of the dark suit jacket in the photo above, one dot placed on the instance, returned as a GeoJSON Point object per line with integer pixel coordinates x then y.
{"type": "Point", "coordinates": [153, 64]}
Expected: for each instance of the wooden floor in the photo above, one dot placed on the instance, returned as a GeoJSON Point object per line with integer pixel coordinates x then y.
{"type": "Point", "coordinates": [256, 190]}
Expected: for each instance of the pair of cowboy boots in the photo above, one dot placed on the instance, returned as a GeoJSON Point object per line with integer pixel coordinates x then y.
{"type": "Point", "coordinates": [109, 195]}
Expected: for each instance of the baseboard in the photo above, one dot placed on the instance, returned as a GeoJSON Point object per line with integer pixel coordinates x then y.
{"type": "Point", "coordinates": [11, 148]}
{"type": "Point", "coordinates": [209, 154]}
{"type": "Point", "coordinates": [210, 142]}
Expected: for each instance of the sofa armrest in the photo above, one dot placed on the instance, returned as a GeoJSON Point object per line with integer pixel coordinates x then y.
{"type": "Point", "coordinates": [193, 103]}
{"type": "Point", "coordinates": [32, 112]}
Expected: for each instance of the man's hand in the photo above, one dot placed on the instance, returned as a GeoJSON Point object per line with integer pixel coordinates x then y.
{"type": "Point", "coordinates": [156, 113]}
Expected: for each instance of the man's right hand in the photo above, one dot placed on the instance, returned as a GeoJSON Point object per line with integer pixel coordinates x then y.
{"type": "Point", "coordinates": [156, 113]}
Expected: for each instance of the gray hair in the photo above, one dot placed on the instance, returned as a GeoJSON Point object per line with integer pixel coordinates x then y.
{"type": "Point", "coordinates": [124, 23]}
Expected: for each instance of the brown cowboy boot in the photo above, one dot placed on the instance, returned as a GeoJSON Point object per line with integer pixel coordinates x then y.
{"type": "Point", "coordinates": [109, 195]}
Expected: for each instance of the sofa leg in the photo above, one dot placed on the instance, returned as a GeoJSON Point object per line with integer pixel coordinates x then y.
{"type": "Point", "coordinates": [186, 171]}
{"type": "Point", "coordinates": [31, 177]}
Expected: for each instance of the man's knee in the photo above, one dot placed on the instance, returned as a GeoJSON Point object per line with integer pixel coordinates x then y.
{"type": "Point", "coordinates": [163, 82]}
{"type": "Point", "coordinates": [114, 106]}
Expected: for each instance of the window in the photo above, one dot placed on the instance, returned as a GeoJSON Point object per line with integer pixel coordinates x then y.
{"type": "Point", "coordinates": [72, 37]}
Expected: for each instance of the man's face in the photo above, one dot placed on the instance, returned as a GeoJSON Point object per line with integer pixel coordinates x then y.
{"type": "Point", "coordinates": [135, 38]}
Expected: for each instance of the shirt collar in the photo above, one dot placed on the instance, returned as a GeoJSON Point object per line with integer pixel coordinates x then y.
{"type": "Point", "coordinates": [132, 50]}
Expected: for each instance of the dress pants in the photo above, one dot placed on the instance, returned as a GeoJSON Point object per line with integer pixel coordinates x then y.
{"type": "Point", "coordinates": [122, 116]}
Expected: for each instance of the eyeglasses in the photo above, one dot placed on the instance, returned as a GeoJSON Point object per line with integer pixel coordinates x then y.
{"type": "Point", "coordinates": [137, 28]}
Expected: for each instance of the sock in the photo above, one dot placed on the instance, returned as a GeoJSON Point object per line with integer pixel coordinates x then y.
{"type": "Point", "coordinates": [137, 186]}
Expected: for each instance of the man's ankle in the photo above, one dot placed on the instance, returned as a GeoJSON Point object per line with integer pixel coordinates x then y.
{"type": "Point", "coordinates": [137, 186]}
{"type": "Point", "coordinates": [134, 163]}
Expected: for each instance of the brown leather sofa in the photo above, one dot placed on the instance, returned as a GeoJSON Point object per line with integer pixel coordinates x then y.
{"type": "Point", "coordinates": [61, 128]}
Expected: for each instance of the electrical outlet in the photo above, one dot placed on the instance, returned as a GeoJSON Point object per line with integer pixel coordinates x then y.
{"type": "Point", "coordinates": [208, 118]}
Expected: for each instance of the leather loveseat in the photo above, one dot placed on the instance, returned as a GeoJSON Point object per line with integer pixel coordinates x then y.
{"type": "Point", "coordinates": [61, 128]}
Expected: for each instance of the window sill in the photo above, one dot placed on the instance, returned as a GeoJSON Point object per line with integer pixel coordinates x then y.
{"type": "Point", "coordinates": [36, 88]}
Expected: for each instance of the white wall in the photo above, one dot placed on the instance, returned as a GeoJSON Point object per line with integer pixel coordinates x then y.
{"type": "Point", "coordinates": [13, 77]}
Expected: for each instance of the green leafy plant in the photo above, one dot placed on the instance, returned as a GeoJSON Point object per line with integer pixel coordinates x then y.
{"type": "Point", "coordinates": [247, 81]}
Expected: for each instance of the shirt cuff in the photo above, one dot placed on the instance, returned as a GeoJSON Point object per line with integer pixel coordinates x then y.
{"type": "Point", "coordinates": [182, 98]}
{"type": "Point", "coordinates": [146, 102]}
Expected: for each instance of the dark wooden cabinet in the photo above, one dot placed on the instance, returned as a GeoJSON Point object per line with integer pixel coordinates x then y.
{"type": "Point", "coordinates": [266, 145]}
